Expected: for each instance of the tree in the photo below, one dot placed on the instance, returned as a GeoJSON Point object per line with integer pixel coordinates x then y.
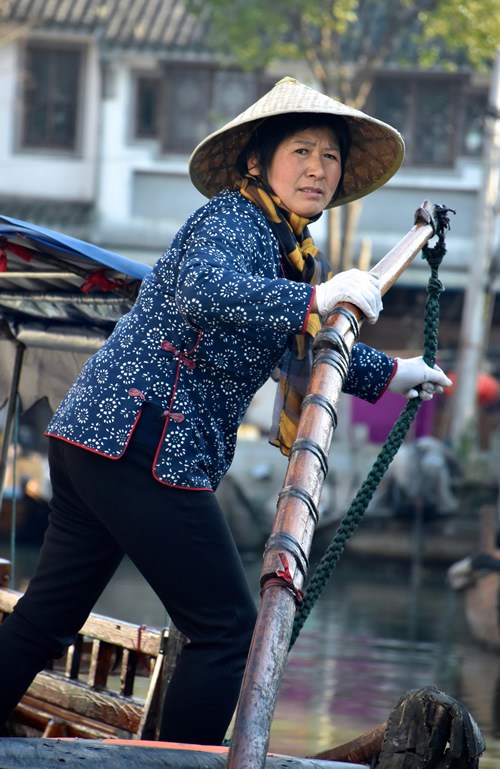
{"type": "Point", "coordinates": [342, 43]}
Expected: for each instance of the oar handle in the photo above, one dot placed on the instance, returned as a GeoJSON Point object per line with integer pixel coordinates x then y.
{"type": "Point", "coordinates": [395, 262]}
{"type": "Point", "coordinates": [361, 750]}
{"type": "Point", "coordinates": [296, 516]}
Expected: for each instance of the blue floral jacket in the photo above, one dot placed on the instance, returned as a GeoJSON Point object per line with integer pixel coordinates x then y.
{"type": "Point", "coordinates": [211, 322]}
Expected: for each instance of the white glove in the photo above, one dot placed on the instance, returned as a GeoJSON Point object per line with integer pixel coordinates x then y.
{"type": "Point", "coordinates": [414, 372]}
{"type": "Point", "coordinates": [354, 286]}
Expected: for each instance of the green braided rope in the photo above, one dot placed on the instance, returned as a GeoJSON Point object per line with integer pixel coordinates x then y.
{"type": "Point", "coordinates": [354, 514]}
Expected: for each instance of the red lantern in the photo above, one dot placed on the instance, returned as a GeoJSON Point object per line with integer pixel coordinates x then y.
{"type": "Point", "coordinates": [487, 388]}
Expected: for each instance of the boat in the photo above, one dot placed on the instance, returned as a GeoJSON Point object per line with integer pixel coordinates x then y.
{"type": "Point", "coordinates": [477, 579]}
{"type": "Point", "coordinates": [98, 707]}
{"type": "Point", "coordinates": [420, 503]}
{"type": "Point", "coordinates": [59, 296]}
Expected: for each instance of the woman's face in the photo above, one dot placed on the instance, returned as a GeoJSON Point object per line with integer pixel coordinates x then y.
{"type": "Point", "coordinates": [305, 170]}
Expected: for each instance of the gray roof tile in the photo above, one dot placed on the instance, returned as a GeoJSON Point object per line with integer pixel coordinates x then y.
{"type": "Point", "coordinates": [135, 24]}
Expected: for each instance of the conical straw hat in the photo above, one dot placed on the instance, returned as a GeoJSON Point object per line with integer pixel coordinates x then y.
{"type": "Point", "coordinates": [376, 153]}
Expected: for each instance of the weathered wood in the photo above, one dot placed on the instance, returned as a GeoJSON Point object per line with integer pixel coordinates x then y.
{"type": "Point", "coordinates": [101, 660]}
{"type": "Point", "coordinates": [127, 635]}
{"type": "Point", "coordinates": [286, 555]}
{"type": "Point", "coordinates": [128, 670]}
{"type": "Point", "coordinates": [78, 697]}
{"type": "Point", "coordinates": [90, 754]}
{"type": "Point", "coordinates": [360, 750]}
{"type": "Point", "coordinates": [35, 718]}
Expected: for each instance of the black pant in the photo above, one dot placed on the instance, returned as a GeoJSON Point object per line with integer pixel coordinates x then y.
{"type": "Point", "coordinates": [180, 542]}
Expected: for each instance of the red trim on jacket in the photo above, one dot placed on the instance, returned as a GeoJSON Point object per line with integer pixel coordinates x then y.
{"type": "Point", "coordinates": [309, 310]}
{"type": "Point", "coordinates": [386, 386]}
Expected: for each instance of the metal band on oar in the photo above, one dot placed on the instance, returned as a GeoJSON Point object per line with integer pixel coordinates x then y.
{"type": "Point", "coordinates": [295, 521]}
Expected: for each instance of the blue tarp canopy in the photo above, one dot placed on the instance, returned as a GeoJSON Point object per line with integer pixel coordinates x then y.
{"type": "Point", "coordinates": [59, 298]}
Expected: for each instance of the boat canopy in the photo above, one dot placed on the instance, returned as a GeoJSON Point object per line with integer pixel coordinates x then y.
{"type": "Point", "coordinates": [60, 298]}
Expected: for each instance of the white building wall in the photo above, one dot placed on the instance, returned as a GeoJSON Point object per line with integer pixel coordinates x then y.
{"type": "Point", "coordinates": [142, 196]}
{"type": "Point", "coordinates": [145, 196]}
{"type": "Point", "coordinates": [7, 108]}
{"type": "Point", "coordinates": [44, 174]}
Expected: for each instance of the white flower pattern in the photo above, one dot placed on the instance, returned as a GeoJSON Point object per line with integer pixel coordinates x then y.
{"type": "Point", "coordinates": [211, 322]}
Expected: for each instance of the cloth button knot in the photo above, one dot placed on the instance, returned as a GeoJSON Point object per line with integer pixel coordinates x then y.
{"type": "Point", "coordinates": [135, 393]}
{"type": "Point", "coordinates": [182, 356]}
{"type": "Point", "coordinates": [174, 417]}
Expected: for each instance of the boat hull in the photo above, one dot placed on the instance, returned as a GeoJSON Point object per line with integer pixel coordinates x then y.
{"type": "Point", "coordinates": [24, 753]}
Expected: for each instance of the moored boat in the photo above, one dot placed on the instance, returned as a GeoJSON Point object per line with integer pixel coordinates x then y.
{"type": "Point", "coordinates": [60, 702]}
{"type": "Point", "coordinates": [477, 578]}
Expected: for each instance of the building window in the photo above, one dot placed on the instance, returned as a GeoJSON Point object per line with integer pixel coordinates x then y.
{"type": "Point", "coordinates": [50, 105]}
{"type": "Point", "coordinates": [187, 108]}
{"type": "Point", "coordinates": [186, 103]}
{"type": "Point", "coordinates": [434, 115]}
{"type": "Point", "coordinates": [475, 107]}
{"type": "Point", "coordinates": [147, 107]}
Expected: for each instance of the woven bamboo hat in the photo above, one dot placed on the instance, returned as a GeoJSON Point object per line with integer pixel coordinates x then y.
{"type": "Point", "coordinates": [376, 152]}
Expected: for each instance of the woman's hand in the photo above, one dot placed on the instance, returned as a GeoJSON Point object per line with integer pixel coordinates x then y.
{"type": "Point", "coordinates": [355, 286]}
{"type": "Point", "coordinates": [415, 379]}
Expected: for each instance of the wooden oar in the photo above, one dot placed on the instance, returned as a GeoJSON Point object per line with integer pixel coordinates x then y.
{"type": "Point", "coordinates": [286, 555]}
{"type": "Point", "coordinates": [425, 727]}
{"type": "Point", "coordinates": [360, 750]}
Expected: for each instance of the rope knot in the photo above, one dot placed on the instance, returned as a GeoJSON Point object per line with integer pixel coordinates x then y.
{"type": "Point", "coordinates": [434, 254]}
{"type": "Point", "coordinates": [282, 578]}
{"type": "Point", "coordinates": [286, 576]}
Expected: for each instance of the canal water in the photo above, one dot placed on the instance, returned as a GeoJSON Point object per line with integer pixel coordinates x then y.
{"type": "Point", "coordinates": [372, 635]}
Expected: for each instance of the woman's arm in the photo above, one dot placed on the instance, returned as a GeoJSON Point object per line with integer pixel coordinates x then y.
{"type": "Point", "coordinates": [230, 274]}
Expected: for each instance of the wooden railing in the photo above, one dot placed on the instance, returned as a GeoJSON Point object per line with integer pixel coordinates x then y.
{"type": "Point", "coordinates": [110, 683]}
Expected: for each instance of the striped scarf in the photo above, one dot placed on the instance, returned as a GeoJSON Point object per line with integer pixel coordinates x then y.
{"type": "Point", "coordinates": [301, 261]}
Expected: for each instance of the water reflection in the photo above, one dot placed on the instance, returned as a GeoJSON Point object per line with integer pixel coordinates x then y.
{"type": "Point", "coordinates": [370, 637]}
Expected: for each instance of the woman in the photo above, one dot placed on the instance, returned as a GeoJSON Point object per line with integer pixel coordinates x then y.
{"type": "Point", "coordinates": [146, 433]}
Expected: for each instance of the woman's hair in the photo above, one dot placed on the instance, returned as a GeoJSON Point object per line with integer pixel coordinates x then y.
{"type": "Point", "coordinates": [269, 134]}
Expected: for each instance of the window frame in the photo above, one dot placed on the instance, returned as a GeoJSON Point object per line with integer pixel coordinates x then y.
{"type": "Point", "coordinates": [151, 77]}
{"type": "Point", "coordinates": [49, 143]}
{"type": "Point", "coordinates": [166, 77]}
{"type": "Point", "coordinates": [461, 87]}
